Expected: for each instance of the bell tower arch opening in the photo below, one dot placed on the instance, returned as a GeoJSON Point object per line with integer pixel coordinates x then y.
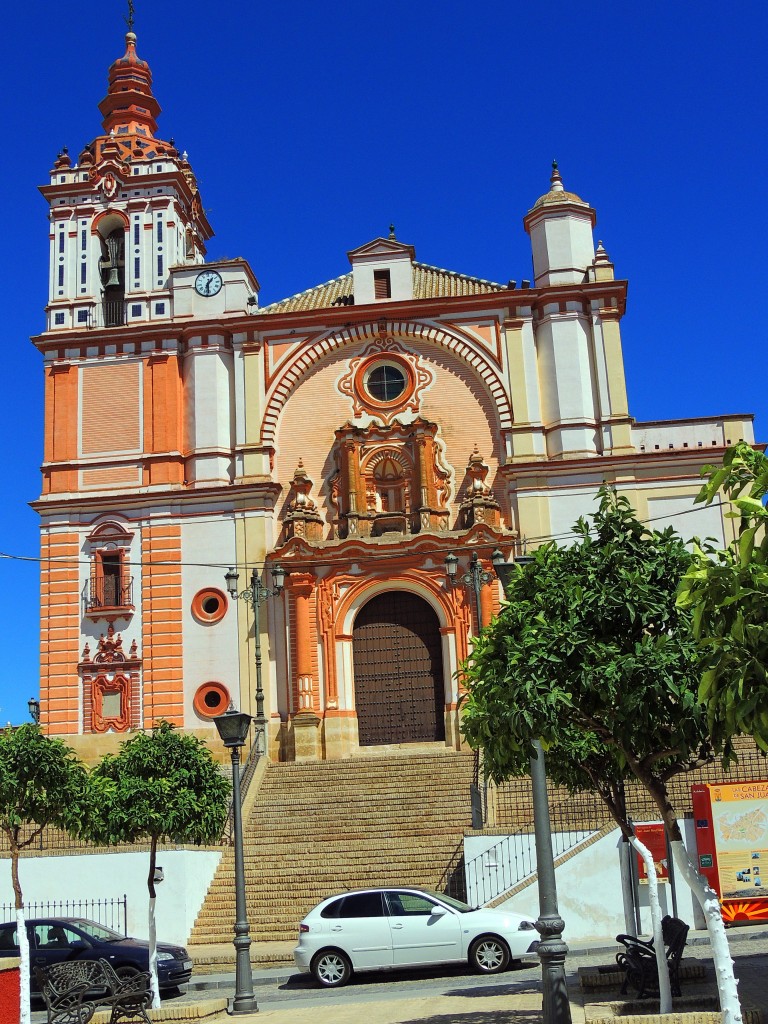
{"type": "Point", "coordinates": [398, 671]}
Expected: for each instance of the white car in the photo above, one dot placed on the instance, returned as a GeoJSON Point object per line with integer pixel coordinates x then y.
{"type": "Point", "coordinates": [391, 929]}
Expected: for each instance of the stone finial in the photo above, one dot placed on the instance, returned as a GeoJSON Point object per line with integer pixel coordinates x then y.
{"type": "Point", "coordinates": [479, 504]}
{"type": "Point", "coordinates": [555, 182]}
{"type": "Point", "coordinates": [392, 232]}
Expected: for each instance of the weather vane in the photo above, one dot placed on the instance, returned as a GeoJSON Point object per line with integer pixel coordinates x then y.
{"type": "Point", "coordinates": [129, 19]}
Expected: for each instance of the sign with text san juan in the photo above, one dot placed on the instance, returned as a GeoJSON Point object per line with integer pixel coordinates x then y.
{"type": "Point", "coordinates": [732, 840]}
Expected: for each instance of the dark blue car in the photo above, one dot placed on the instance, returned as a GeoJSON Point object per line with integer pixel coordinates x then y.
{"type": "Point", "coordinates": [54, 939]}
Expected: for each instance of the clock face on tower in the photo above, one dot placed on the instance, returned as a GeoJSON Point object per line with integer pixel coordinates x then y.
{"type": "Point", "coordinates": [208, 282]}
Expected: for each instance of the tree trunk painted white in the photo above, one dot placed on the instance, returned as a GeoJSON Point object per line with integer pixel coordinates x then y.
{"type": "Point", "coordinates": [25, 1015]}
{"type": "Point", "coordinates": [665, 989]}
{"type": "Point", "coordinates": [721, 955]}
{"type": "Point", "coordinates": [153, 954]}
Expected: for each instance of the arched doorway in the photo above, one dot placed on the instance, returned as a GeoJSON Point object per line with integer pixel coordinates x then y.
{"type": "Point", "coordinates": [398, 666]}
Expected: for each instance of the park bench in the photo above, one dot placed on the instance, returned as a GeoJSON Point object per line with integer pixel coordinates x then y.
{"type": "Point", "coordinates": [638, 958]}
{"type": "Point", "coordinates": [73, 989]}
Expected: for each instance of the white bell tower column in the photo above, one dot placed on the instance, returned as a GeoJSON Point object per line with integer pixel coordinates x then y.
{"type": "Point", "coordinates": [560, 225]}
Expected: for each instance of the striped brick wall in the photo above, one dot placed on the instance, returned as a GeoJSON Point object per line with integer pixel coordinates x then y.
{"type": "Point", "coordinates": [60, 632]}
{"type": "Point", "coordinates": [162, 624]}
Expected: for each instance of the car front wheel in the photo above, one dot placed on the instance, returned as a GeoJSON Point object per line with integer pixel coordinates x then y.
{"type": "Point", "coordinates": [489, 955]}
{"type": "Point", "coordinates": [331, 968]}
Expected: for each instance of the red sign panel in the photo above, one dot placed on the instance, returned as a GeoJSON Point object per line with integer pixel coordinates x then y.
{"type": "Point", "coordinates": [732, 842]}
{"type": "Point", "coordinates": [654, 838]}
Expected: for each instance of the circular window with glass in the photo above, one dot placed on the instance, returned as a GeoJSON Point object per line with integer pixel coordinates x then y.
{"type": "Point", "coordinates": [386, 383]}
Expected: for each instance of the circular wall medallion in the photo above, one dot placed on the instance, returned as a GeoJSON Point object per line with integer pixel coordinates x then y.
{"type": "Point", "coordinates": [209, 605]}
{"type": "Point", "coordinates": [211, 700]}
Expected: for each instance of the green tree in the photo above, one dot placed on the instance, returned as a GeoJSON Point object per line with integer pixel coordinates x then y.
{"type": "Point", "coordinates": [592, 642]}
{"type": "Point", "coordinates": [162, 785]}
{"type": "Point", "coordinates": [41, 784]}
{"type": "Point", "coordinates": [727, 590]}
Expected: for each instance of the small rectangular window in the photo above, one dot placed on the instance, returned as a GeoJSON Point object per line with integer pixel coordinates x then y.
{"type": "Point", "coordinates": [111, 704]}
{"type": "Point", "coordinates": [382, 287]}
{"type": "Point", "coordinates": [83, 239]}
{"type": "Point", "coordinates": [83, 272]}
{"type": "Point", "coordinates": [159, 266]}
{"type": "Point", "coordinates": [61, 241]}
{"type": "Point", "coordinates": [136, 310]}
{"type": "Point", "coordinates": [82, 316]}
{"type": "Point", "coordinates": [61, 276]}
{"type": "Point", "coordinates": [159, 309]}
{"type": "Point", "coordinates": [159, 230]}
{"type": "Point", "coordinates": [58, 319]}
{"type": "Point", "coordinates": [136, 267]}
{"type": "Point", "coordinates": [136, 233]}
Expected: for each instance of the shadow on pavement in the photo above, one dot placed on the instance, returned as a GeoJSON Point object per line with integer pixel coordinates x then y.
{"type": "Point", "coordinates": [479, 1017]}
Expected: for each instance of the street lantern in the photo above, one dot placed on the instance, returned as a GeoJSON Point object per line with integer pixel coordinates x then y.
{"type": "Point", "coordinates": [474, 579]}
{"type": "Point", "coordinates": [255, 596]}
{"type": "Point", "coordinates": [34, 709]}
{"type": "Point", "coordinates": [556, 1007]}
{"type": "Point", "coordinates": [233, 727]}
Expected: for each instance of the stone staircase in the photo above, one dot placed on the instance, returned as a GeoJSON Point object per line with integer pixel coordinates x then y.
{"type": "Point", "coordinates": [320, 827]}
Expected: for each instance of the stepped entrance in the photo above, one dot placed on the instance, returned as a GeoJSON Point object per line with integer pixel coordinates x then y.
{"type": "Point", "coordinates": [398, 666]}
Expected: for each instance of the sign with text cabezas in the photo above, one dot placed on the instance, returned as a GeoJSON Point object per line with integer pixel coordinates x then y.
{"type": "Point", "coordinates": [732, 840]}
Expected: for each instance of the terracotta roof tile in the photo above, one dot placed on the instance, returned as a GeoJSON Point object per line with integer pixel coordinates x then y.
{"type": "Point", "coordinates": [428, 283]}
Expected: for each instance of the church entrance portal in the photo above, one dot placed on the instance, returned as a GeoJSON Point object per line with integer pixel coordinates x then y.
{"type": "Point", "coordinates": [398, 671]}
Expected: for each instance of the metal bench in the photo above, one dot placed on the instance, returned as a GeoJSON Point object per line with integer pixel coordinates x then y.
{"type": "Point", "coordinates": [638, 958]}
{"type": "Point", "coordinates": [73, 989]}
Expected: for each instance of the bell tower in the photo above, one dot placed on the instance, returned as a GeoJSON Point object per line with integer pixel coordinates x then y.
{"type": "Point", "coordinates": [125, 212]}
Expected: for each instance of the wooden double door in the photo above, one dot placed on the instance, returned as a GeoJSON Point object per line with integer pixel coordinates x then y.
{"type": "Point", "coordinates": [398, 665]}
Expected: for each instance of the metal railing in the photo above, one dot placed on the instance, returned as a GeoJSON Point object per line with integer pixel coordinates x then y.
{"type": "Point", "coordinates": [108, 592]}
{"type": "Point", "coordinates": [247, 771]}
{"type": "Point", "coordinates": [112, 912]}
{"type": "Point", "coordinates": [113, 311]}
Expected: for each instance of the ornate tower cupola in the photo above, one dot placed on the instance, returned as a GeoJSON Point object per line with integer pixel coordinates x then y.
{"type": "Point", "coordinates": [560, 225]}
{"type": "Point", "coordinates": [122, 215]}
{"type": "Point", "coordinates": [129, 108]}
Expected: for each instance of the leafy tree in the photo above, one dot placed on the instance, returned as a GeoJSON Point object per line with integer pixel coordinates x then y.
{"type": "Point", "coordinates": [41, 783]}
{"type": "Point", "coordinates": [592, 644]}
{"type": "Point", "coordinates": [161, 786]}
{"type": "Point", "coordinates": [728, 594]}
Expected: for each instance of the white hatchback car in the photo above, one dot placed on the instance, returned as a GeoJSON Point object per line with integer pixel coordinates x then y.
{"type": "Point", "coordinates": [390, 929]}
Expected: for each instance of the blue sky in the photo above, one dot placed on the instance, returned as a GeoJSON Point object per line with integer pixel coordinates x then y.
{"type": "Point", "coordinates": [311, 127]}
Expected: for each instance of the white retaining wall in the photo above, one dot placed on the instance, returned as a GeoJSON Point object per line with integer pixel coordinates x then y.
{"type": "Point", "coordinates": [589, 891]}
{"type": "Point", "coordinates": [188, 873]}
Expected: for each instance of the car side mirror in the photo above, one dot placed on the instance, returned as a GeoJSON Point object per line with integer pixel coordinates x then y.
{"type": "Point", "coordinates": [438, 911]}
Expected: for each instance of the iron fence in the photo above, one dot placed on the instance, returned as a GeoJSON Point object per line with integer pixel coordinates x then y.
{"type": "Point", "coordinates": [108, 592]}
{"type": "Point", "coordinates": [112, 912]}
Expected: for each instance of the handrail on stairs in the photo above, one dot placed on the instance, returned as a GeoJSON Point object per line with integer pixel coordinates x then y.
{"type": "Point", "coordinates": [247, 771]}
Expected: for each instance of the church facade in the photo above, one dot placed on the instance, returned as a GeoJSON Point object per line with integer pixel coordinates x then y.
{"type": "Point", "coordinates": [357, 453]}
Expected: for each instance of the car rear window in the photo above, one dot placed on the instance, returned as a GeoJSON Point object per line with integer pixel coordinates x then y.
{"type": "Point", "coordinates": [332, 910]}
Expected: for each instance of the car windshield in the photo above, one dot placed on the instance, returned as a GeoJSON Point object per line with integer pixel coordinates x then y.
{"type": "Point", "coordinates": [97, 931]}
{"type": "Point", "coordinates": [463, 908]}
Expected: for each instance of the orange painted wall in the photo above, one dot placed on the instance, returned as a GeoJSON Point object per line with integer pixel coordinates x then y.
{"type": "Point", "coordinates": [162, 419]}
{"type": "Point", "coordinates": [60, 632]}
{"type": "Point", "coordinates": [161, 634]}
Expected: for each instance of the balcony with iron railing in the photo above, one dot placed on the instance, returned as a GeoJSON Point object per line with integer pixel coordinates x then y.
{"type": "Point", "coordinates": [113, 312]}
{"type": "Point", "coordinates": [107, 594]}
